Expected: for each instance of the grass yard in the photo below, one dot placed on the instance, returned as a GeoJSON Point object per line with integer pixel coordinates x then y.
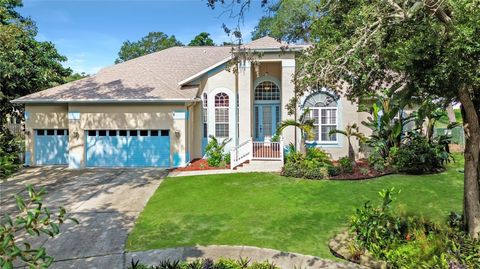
{"type": "Point", "coordinates": [267, 210]}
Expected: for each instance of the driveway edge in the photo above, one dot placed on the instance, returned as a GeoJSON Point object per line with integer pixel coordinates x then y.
{"type": "Point", "coordinates": [286, 260]}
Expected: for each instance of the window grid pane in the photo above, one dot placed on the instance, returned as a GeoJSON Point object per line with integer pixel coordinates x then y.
{"type": "Point", "coordinates": [221, 100]}
{"type": "Point", "coordinates": [205, 100]}
{"type": "Point", "coordinates": [267, 91]}
{"type": "Point", "coordinates": [205, 115]}
{"type": "Point", "coordinates": [221, 130]}
{"type": "Point", "coordinates": [221, 115]}
{"type": "Point", "coordinates": [221, 122]}
{"type": "Point", "coordinates": [325, 121]}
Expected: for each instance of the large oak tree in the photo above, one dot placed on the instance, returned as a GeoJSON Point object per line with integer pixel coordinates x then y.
{"type": "Point", "coordinates": [419, 48]}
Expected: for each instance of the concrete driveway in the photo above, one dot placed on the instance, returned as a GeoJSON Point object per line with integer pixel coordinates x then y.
{"type": "Point", "coordinates": [106, 202]}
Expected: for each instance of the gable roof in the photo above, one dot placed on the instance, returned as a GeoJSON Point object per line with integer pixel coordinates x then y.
{"type": "Point", "coordinates": [162, 76]}
{"type": "Point", "coordinates": [265, 42]}
{"type": "Point", "coordinates": [268, 43]}
{"type": "Point", "coordinates": [153, 77]}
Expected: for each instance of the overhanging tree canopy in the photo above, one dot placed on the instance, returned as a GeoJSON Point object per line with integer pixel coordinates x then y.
{"type": "Point", "coordinates": [419, 48]}
{"type": "Point", "coordinates": [26, 65]}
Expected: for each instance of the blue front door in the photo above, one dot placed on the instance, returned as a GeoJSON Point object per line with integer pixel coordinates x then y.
{"type": "Point", "coordinates": [266, 119]}
{"type": "Point", "coordinates": [128, 148]}
{"type": "Point", "coordinates": [51, 146]}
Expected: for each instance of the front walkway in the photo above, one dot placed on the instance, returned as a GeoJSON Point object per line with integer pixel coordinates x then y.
{"type": "Point", "coordinates": [106, 202]}
{"type": "Point", "coordinates": [281, 259]}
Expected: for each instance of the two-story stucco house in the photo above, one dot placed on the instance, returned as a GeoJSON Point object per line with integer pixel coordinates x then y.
{"type": "Point", "coordinates": [159, 110]}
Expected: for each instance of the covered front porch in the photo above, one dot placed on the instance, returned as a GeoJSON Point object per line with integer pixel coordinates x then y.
{"type": "Point", "coordinates": [261, 108]}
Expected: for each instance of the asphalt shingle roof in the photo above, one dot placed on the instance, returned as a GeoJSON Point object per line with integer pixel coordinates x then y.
{"type": "Point", "coordinates": [151, 77]}
{"type": "Point", "coordinates": [159, 76]}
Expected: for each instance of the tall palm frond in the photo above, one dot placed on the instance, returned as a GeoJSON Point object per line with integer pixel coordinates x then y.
{"type": "Point", "coordinates": [305, 124]}
{"type": "Point", "coordinates": [350, 131]}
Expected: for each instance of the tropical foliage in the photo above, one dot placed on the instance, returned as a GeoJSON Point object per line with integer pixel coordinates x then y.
{"type": "Point", "coordinates": [350, 131]}
{"type": "Point", "coordinates": [411, 242]}
{"type": "Point", "coordinates": [304, 123]}
{"type": "Point", "coordinates": [315, 164]}
{"type": "Point", "coordinates": [215, 152]}
{"type": "Point", "coordinates": [418, 155]}
{"type": "Point", "coordinates": [241, 263]}
{"type": "Point", "coordinates": [17, 231]}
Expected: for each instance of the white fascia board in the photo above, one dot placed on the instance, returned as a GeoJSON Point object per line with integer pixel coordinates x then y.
{"type": "Point", "coordinates": [101, 101]}
{"type": "Point", "coordinates": [199, 74]}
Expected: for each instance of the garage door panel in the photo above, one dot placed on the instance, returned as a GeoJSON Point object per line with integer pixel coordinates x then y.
{"type": "Point", "coordinates": [150, 151]}
{"type": "Point", "coordinates": [51, 147]}
{"type": "Point", "coordinates": [128, 149]}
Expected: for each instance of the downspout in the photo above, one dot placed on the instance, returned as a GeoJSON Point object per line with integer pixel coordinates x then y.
{"type": "Point", "coordinates": [237, 108]}
{"type": "Point", "coordinates": [189, 105]}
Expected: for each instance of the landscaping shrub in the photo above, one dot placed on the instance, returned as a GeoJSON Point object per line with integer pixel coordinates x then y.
{"type": "Point", "coordinates": [215, 152]}
{"type": "Point", "coordinates": [207, 264]}
{"type": "Point", "coordinates": [226, 158]}
{"type": "Point", "coordinates": [315, 164]}
{"type": "Point", "coordinates": [9, 153]}
{"type": "Point", "coordinates": [417, 155]}
{"type": "Point", "coordinates": [411, 242]}
{"type": "Point", "coordinates": [346, 165]}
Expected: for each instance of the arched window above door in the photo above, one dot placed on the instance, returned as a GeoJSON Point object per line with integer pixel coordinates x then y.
{"type": "Point", "coordinates": [267, 91]}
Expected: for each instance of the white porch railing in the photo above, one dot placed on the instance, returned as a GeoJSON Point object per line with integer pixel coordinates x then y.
{"type": "Point", "coordinates": [254, 150]}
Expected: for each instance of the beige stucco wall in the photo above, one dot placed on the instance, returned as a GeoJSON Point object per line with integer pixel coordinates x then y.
{"type": "Point", "coordinates": [222, 81]}
{"type": "Point", "coordinates": [155, 116]}
{"type": "Point", "coordinates": [107, 117]}
{"type": "Point", "coordinates": [42, 117]}
{"type": "Point", "coordinates": [197, 133]}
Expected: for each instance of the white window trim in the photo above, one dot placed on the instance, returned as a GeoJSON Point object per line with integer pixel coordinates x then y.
{"type": "Point", "coordinates": [320, 141]}
{"type": "Point", "coordinates": [216, 108]}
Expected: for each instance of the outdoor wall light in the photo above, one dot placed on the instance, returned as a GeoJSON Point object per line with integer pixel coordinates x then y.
{"type": "Point", "coordinates": [177, 133]}
{"type": "Point", "coordinates": [76, 135]}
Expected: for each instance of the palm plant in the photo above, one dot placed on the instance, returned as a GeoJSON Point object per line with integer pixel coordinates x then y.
{"type": "Point", "coordinates": [304, 123]}
{"type": "Point", "coordinates": [387, 123]}
{"type": "Point", "coordinates": [350, 131]}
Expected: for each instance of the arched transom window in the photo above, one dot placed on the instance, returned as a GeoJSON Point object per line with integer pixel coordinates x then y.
{"type": "Point", "coordinates": [221, 115]}
{"type": "Point", "coordinates": [267, 91]}
{"type": "Point", "coordinates": [323, 109]}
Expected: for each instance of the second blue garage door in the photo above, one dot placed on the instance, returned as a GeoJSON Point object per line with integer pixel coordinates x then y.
{"type": "Point", "coordinates": [128, 148]}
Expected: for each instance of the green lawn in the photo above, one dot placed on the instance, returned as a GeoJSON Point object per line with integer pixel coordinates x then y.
{"type": "Point", "coordinates": [267, 210]}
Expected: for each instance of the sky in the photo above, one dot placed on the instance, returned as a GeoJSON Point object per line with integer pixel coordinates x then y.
{"type": "Point", "coordinates": [91, 32]}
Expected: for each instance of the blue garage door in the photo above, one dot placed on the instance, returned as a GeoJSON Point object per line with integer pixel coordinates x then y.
{"type": "Point", "coordinates": [51, 146]}
{"type": "Point", "coordinates": [128, 148]}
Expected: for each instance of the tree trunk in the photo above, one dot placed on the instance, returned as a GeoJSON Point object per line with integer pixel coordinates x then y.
{"type": "Point", "coordinates": [451, 114]}
{"type": "Point", "coordinates": [471, 204]}
{"type": "Point", "coordinates": [351, 152]}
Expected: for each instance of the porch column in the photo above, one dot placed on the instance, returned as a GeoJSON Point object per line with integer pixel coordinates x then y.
{"type": "Point", "coordinates": [245, 103]}
{"type": "Point", "coordinates": [288, 89]}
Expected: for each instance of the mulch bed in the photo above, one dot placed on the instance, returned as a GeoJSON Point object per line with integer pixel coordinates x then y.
{"type": "Point", "coordinates": [360, 172]}
{"type": "Point", "coordinates": [198, 165]}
